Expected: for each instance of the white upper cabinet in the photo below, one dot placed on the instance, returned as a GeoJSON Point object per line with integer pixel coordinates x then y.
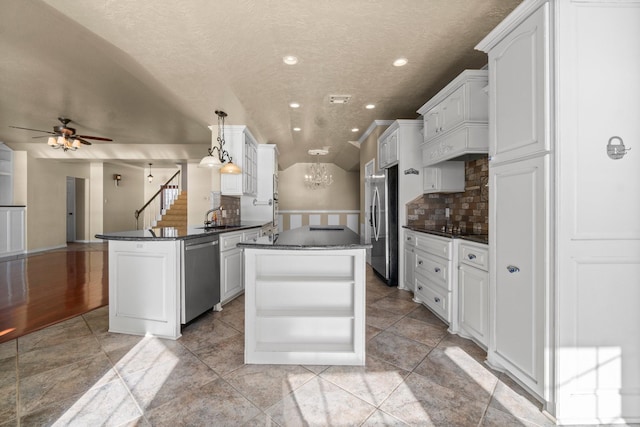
{"type": "Point", "coordinates": [518, 103]}
{"type": "Point", "coordinates": [242, 147]}
{"type": "Point", "coordinates": [388, 150]}
{"type": "Point", "coordinates": [446, 177]}
{"type": "Point", "coordinates": [455, 120]}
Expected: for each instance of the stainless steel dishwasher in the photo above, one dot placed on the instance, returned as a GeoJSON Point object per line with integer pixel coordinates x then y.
{"type": "Point", "coordinates": [200, 289]}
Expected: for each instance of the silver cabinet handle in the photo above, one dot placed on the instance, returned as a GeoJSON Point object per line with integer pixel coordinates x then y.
{"type": "Point", "coordinates": [471, 256]}
{"type": "Point", "coordinates": [437, 270]}
{"type": "Point", "coordinates": [512, 269]}
{"type": "Point", "coordinates": [436, 299]}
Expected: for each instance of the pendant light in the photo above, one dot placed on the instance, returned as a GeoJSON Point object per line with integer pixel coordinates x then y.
{"type": "Point", "coordinates": [150, 177]}
{"type": "Point", "coordinates": [223, 159]}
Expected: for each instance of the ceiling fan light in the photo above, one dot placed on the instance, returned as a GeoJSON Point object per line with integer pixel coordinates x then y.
{"type": "Point", "coordinates": [61, 141]}
{"type": "Point", "coordinates": [76, 143]}
{"type": "Point", "coordinates": [231, 169]}
{"type": "Point", "coordinates": [52, 141]}
{"type": "Point", "coordinates": [210, 162]}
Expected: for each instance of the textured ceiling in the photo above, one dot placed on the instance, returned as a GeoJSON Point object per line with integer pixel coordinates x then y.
{"type": "Point", "coordinates": [150, 75]}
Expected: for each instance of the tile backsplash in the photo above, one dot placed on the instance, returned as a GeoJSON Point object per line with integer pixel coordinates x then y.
{"type": "Point", "coordinates": [231, 204]}
{"type": "Point", "coordinates": [469, 211]}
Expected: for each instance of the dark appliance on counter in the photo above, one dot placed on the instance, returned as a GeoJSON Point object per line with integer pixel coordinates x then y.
{"type": "Point", "coordinates": [384, 223]}
{"type": "Point", "coordinates": [201, 282]}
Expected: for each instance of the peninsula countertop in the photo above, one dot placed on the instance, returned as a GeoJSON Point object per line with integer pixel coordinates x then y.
{"type": "Point", "coordinates": [309, 237]}
{"type": "Point", "coordinates": [173, 233]}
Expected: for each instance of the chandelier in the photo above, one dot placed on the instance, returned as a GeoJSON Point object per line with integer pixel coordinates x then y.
{"type": "Point", "coordinates": [218, 161]}
{"type": "Point", "coordinates": [317, 175]}
{"type": "Point", "coordinates": [63, 142]}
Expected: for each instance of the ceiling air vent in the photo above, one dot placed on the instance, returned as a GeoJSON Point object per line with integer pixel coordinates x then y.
{"type": "Point", "coordinates": [339, 99]}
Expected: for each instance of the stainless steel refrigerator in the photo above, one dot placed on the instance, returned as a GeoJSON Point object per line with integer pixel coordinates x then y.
{"type": "Point", "coordinates": [384, 224]}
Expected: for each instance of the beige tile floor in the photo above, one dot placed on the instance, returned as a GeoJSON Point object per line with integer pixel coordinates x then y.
{"type": "Point", "coordinates": [77, 373]}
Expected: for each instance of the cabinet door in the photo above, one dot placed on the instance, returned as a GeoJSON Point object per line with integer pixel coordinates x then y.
{"type": "Point", "coordinates": [517, 83]}
{"type": "Point", "coordinates": [431, 123]}
{"type": "Point", "coordinates": [473, 288]}
{"type": "Point", "coordinates": [518, 258]}
{"type": "Point", "coordinates": [230, 274]}
{"type": "Point", "coordinates": [409, 267]}
{"type": "Point", "coordinates": [392, 149]}
{"type": "Point", "coordinates": [453, 110]}
{"type": "Point", "coordinates": [383, 153]}
{"type": "Point", "coordinates": [388, 151]}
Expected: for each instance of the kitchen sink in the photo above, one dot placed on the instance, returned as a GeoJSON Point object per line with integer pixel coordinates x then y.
{"type": "Point", "coordinates": [216, 227]}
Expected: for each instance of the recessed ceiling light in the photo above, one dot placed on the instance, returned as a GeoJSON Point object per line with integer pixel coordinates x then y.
{"type": "Point", "coordinates": [294, 105]}
{"type": "Point", "coordinates": [400, 62]}
{"type": "Point", "coordinates": [290, 60]}
{"type": "Point", "coordinates": [370, 106]}
{"type": "Point", "coordinates": [297, 129]}
{"type": "Point", "coordinates": [355, 130]}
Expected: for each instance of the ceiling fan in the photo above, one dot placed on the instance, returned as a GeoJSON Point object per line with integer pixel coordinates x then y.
{"type": "Point", "coordinates": [64, 136]}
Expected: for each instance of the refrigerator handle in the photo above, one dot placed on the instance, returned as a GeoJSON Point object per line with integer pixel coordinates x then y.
{"type": "Point", "coordinates": [376, 213]}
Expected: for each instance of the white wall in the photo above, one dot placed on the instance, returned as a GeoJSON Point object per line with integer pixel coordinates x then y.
{"type": "Point", "coordinates": [201, 182]}
{"type": "Point", "coordinates": [46, 183]}
{"type": "Point", "coordinates": [343, 194]}
{"type": "Point", "coordinates": [121, 202]}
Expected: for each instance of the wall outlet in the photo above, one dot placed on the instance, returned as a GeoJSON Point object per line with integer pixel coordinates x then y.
{"type": "Point", "coordinates": [446, 212]}
{"type": "Point", "coordinates": [224, 213]}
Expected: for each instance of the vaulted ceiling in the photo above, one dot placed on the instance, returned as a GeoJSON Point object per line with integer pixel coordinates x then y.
{"type": "Point", "coordinates": [150, 74]}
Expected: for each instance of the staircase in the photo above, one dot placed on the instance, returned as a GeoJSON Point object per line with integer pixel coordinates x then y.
{"type": "Point", "coordinates": [176, 214]}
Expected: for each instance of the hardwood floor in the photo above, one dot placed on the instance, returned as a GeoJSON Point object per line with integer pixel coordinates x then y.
{"type": "Point", "coordinates": [45, 288]}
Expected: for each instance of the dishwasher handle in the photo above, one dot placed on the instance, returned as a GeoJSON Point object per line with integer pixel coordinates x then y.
{"type": "Point", "coordinates": [200, 246]}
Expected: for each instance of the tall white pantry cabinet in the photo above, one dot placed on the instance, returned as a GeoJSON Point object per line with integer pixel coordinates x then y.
{"type": "Point", "coordinates": [564, 81]}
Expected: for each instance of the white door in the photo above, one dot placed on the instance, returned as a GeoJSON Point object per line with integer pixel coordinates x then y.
{"type": "Point", "coordinates": [71, 209]}
{"type": "Point", "coordinates": [599, 212]}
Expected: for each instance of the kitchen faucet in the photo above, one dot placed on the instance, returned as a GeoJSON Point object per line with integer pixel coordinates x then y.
{"type": "Point", "coordinates": [206, 215]}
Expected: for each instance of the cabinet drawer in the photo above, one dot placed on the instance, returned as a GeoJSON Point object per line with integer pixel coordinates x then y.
{"type": "Point", "coordinates": [251, 234]}
{"type": "Point", "coordinates": [438, 246]}
{"type": "Point", "coordinates": [229, 241]}
{"type": "Point", "coordinates": [475, 255]}
{"type": "Point", "coordinates": [434, 297]}
{"type": "Point", "coordinates": [433, 267]}
{"type": "Point", "coordinates": [410, 239]}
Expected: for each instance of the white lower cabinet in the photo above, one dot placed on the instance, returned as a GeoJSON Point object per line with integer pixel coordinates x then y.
{"type": "Point", "coordinates": [473, 292]}
{"type": "Point", "coordinates": [518, 215]}
{"type": "Point", "coordinates": [12, 230]}
{"type": "Point", "coordinates": [409, 262]}
{"type": "Point", "coordinates": [231, 278]}
{"type": "Point", "coordinates": [434, 284]}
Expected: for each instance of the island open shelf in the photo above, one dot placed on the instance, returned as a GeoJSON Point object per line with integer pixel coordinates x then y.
{"type": "Point", "coordinates": [305, 306]}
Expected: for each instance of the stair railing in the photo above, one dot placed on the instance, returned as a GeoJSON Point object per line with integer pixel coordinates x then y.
{"type": "Point", "coordinates": [158, 204]}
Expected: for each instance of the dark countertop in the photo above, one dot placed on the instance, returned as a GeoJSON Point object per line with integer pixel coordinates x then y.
{"type": "Point", "coordinates": [478, 238]}
{"type": "Point", "coordinates": [172, 233]}
{"type": "Point", "coordinates": [309, 237]}
{"type": "Point", "coordinates": [13, 206]}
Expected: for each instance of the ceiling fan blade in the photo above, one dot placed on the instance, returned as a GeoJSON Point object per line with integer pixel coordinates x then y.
{"type": "Point", "coordinates": [99, 138]}
{"type": "Point", "coordinates": [35, 130]}
{"type": "Point", "coordinates": [83, 141]}
{"type": "Point", "coordinates": [44, 136]}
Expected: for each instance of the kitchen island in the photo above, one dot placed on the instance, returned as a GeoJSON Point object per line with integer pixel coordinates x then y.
{"type": "Point", "coordinates": [305, 297]}
{"type": "Point", "coordinates": [148, 271]}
